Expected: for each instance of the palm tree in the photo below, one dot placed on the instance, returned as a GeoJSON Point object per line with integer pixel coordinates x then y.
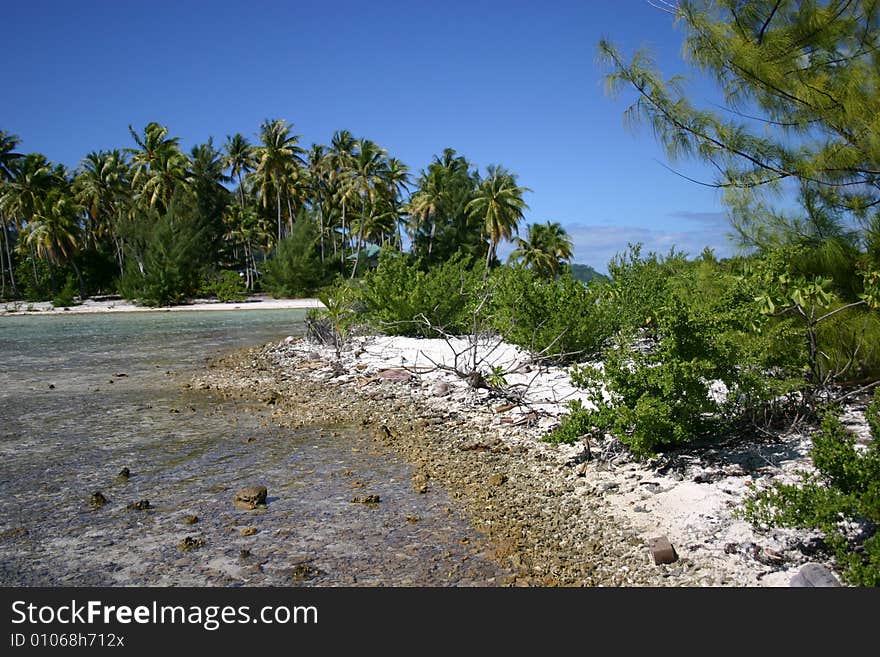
{"type": "Point", "coordinates": [102, 187]}
{"type": "Point", "coordinates": [278, 156]}
{"type": "Point", "coordinates": [240, 160]}
{"type": "Point", "coordinates": [54, 229]}
{"type": "Point", "coordinates": [369, 169]}
{"type": "Point", "coordinates": [158, 165]}
{"type": "Point", "coordinates": [396, 180]}
{"type": "Point", "coordinates": [339, 165]}
{"type": "Point", "coordinates": [8, 144]}
{"type": "Point", "coordinates": [547, 248]}
{"type": "Point", "coordinates": [498, 203]}
{"type": "Point", "coordinates": [437, 209]}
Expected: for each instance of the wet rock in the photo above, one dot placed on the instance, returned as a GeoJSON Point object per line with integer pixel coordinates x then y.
{"type": "Point", "coordinates": [190, 520]}
{"type": "Point", "coordinates": [420, 482]}
{"type": "Point", "coordinates": [244, 554]}
{"type": "Point", "coordinates": [125, 473]}
{"type": "Point", "coordinates": [662, 551]}
{"type": "Point", "coordinates": [366, 499]}
{"type": "Point", "coordinates": [141, 505]}
{"type": "Point", "coordinates": [814, 575]}
{"type": "Point", "coordinates": [248, 531]}
{"type": "Point", "coordinates": [304, 571]}
{"type": "Point", "coordinates": [15, 532]}
{"type": "Point", "coordinates": [51, 386]}
{"type": "Point", "coordinates": [97, 500]}
{"type": "Point", "coordinates": [413, 518]}
{"type": "Point", "coordinates": [250, 498]}
{"type": "Point", "coordinates": [190, 543]}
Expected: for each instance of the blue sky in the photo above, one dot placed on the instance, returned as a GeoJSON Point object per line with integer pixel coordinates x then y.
{"type": "Point", "coordinates": [513, 83]}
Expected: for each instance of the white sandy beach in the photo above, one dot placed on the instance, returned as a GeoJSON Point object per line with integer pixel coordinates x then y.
{"type": "Point", "coordinates": [255, 302]}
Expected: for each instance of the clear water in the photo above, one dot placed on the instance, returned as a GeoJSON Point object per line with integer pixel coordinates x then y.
{"type": "Point", "coordinates": [82, 396]}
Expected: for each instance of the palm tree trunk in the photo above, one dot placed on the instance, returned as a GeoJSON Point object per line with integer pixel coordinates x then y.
{"type": "Point", "coordinates": [34, 267]}
{"type": "Point", "coordinates": [119, 257]}
{"type": "Point", "coordinates": [240, 191]}
{"type": "Point", "coordinates": [342, 237]}
{"type": "Point", "coordinates": [278, 205]}
{"type": "Point", "coordinates": [360, 241]}
{"type": "Point", "coordinates": [431, 236]}
{"type": "Point", "coordinates": [3, 268]}
{"type": "Point", "coordinates": [289, 213]}
{"type": "Point", "coordinates": [489, 255]}
{"type": "Point", "coordinates": [79, 279]}
{"type": "Point", "coordinates": [321, 228]}
{"type": "Point", "coordinates": [8, 256]}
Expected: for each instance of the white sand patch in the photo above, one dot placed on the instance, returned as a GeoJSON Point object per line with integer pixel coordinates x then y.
{"type": "Point", "coordinates": [256, 302]}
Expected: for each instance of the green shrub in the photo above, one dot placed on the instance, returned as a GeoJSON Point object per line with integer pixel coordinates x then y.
{"type": "Point", "coordinates": [34, 279]}
{"type": "Point", "coordinates": [557, 318]}
{"type": "Point", "coordinates": [841, 499]}
{"type": "Point", "coordinates": [638, 287]}
{"type": "Point", "coordinates": [66, 297]}
{"type": "Point", "coordinates": [654, 390]}
{"type": "Point", "coordinates": [164, 265]}
{"type": "Point", "coordinates": [400, 298]}
{"type": "Point", "coordinates": [295, 268]}
{"type": "Point", "coordinates": [225, 285]}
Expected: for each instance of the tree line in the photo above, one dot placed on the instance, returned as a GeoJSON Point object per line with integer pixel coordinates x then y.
{"type": "Point", "coordinates": [153, 222]}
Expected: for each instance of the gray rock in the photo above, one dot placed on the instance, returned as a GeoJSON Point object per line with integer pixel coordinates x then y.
{"type": "Point", "coordinates": [250, 498]}
{"type": "Point", "coordinates": [440, 389]}
{"type": "Point", "coordinates": [814, 575]}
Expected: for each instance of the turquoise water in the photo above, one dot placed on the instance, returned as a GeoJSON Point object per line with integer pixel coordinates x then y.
{"type": "Point", "coordinates": [82, 396]}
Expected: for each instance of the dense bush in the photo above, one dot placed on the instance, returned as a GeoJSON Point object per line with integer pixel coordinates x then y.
{"type": "Point", "coordinates": [401, 298]}
{"type": "Point", "coordinates": [841, 498]}
{"type": "Point", "coordinates": [165, 263]}
{"type": "Point", "coordinates": [295, 268]}
{"type": "Point", "coordinates": [225, 285]}
{"type": "Point", "coordinates": [655, 387]}
{"type": "Point", "coordinates": [559, 318]}
{"type": "Point", "coordinates": [66, 296]}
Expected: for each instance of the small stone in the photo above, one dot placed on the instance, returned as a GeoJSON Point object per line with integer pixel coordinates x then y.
{"type": "Point", "coordinates": [304, 571]}
{"type": "Point", "coordinates": [190, 520]}
{"type": "Point", "coordinates": [440, 389]}
{"type": "Point", "coordinates": [248, 531]}
{"type": "Point", "coordinates": [97, 500]}
{"type": "Point", "coordinates": [413, 518]}
{"type": "Point", "coordinates": [250, 498]}
{"type": "Point", "coordinates": [394, 374]}
{"type": "Point", "coordinates": [662, 550]}
{"type": "Point", "coordinates": [125, 473]}
{"type": "Point", "coordinates": [141, 505]}
{"type": "Point", "coordinates": [190, 543]}
{"type": "Point", "coordinates": [244, 554]}
{"type": "Point", "coordinates": [366, 499]}
{"type": "Point", "coordinates": [51, 386]}
{"type": "Point", "coordinates": [15, 532]}
{"type": "Point", "coordinates": [814, 575]}
{"type": "Point", "coordinates": [497, 479]}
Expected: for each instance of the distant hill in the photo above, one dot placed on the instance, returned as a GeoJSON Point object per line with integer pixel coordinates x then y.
{"type": "Point", "coordinates": [586, 273]}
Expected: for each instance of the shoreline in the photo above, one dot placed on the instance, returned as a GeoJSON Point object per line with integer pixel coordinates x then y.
{"type": "Point", "coordinates": [554, 516]}
{"type": "Point", "coordinates": [90, 306]}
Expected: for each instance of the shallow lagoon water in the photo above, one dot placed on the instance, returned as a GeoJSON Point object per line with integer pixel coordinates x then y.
{"type": "Point", "coordinates": [82, 396]}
